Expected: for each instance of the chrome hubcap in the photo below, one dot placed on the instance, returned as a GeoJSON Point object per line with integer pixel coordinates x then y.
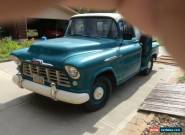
{"type": "Point", "coordinates": [98, 93]}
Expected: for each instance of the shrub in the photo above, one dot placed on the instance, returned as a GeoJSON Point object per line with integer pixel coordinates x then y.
{"type": "Point", "coordinates": [7, 46]}
{"type": "Point", "coordinates": [181, 79]}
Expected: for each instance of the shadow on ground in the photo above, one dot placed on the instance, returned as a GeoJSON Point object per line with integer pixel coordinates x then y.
{"type": "Point", "coordinates": [39, 115]}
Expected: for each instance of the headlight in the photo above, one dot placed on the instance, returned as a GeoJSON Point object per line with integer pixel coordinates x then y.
{"type": "Point", "coordinates": [16, 60]}
{"type": "Point", "coordinates": [72, 72]}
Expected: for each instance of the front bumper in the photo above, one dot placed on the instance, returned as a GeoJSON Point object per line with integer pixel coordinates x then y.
{"type": "Point", "coordinates": [52, 92]}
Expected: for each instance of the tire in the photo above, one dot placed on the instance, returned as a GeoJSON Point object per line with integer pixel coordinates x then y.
{"type": "Point", "coordinates": [99, 94]}
{"type": "Point", "coordinates": [149, 68]}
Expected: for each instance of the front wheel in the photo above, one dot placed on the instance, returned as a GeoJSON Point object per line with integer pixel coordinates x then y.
{"type": "Point", "coordinates": [99, 94]}
{"type": "Point", "coordinates": [149, 68]}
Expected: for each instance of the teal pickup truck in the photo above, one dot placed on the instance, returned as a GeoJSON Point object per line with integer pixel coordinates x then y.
{"type": "Point", "coordinates": [98, 52]}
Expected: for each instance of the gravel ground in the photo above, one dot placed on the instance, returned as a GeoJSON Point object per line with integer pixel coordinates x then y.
{"type": "Point", "coordinates": [162, 120]}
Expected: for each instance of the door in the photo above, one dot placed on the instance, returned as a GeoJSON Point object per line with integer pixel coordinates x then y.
{"type": "Point", "coordinates": [129, 55]}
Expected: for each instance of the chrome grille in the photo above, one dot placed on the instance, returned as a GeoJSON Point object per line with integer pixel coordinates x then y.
{"type": "Point", "coordinates": [50, 75]}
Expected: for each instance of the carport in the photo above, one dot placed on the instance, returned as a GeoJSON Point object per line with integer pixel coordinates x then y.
{"type": "Point", "coordinates": [50, 28]}
{"type": "Point", "coordinates": [50, 23]}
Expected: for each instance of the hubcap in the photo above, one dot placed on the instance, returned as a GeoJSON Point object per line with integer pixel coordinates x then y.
{"type": "Point", "coordinates": [98, 93]}
{"type": "Point", "coordinates": [149, 64]}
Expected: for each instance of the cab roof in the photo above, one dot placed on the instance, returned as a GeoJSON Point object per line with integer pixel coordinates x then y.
{"type": "Point", "coordinates": [115, 16]}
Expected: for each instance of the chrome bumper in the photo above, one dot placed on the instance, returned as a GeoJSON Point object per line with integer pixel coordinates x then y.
{"type": "Point", "coordinates": [52, 92]}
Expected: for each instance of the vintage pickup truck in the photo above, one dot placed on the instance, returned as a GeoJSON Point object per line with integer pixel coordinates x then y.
{"type": "Point", "coordinates": [98, 52]}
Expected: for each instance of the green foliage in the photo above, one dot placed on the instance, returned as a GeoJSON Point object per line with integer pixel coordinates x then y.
{"type": "Point", "coordinates": [181, 79]}
{"type": "Point", "coordinates": [32, 33]}
{"type": "Point", "coordinates": [7, 46]}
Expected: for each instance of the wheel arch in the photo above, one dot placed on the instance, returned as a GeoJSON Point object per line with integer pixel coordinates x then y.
{"type": "Point", "coordinates": [109, 73]}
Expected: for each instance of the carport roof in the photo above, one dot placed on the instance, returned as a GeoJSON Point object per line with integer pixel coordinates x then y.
{"type": "Point", "coordinates": [58, 12]}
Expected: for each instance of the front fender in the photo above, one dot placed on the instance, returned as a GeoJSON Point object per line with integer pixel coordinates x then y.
{"type": "Point", "coordinates": [103, 70]}
{"type": "Point", "coordinates": [92, 64]}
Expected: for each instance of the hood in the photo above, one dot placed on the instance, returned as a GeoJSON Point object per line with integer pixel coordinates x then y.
{"type": "Point", "coordinates": [56, 51]}
{"type": "Point", "coordinates": [68, 45]}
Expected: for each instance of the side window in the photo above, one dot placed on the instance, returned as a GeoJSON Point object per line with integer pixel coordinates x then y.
{"type": "Point", "coordinates": [128, 31]}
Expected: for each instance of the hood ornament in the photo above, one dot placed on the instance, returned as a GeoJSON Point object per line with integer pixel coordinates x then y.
{"type": "Point", "coordinates": [39, 62]}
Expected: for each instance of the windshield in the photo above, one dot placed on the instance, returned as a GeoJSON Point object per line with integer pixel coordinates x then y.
{"type": "Point", "coordinates": [92, 27]}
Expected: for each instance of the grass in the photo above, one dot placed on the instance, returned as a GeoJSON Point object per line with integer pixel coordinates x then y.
{"type": "Point", "coordinates": [181, 79]}
{"type": "Point", "coordinates": [7, 46]}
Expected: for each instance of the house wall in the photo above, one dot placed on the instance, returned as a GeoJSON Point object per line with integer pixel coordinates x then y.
{"type": "Point", "coordinates": [15, 30]}
{"type": "Point", "coordinates": [21, 29]}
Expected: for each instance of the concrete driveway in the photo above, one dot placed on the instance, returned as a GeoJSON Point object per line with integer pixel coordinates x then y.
{"type": "Point", "coordinates": [25, 113]}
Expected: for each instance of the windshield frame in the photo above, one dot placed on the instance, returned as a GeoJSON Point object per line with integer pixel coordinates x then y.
{"type": "Point", "coordinates": [101, 17]}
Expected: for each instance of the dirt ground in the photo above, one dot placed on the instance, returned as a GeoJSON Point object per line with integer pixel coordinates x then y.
{"type": "Point", "coordinates": [144, 121]}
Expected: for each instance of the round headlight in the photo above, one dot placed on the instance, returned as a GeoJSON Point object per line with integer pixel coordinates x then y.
{"type": "Point", "coordinates": [72, 72]}
{"type": "Point", "coordinates": [16, 60]}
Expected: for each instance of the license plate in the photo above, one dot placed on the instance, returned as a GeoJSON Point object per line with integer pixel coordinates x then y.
{"type": "Point", "coordinates": [38, 79]}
